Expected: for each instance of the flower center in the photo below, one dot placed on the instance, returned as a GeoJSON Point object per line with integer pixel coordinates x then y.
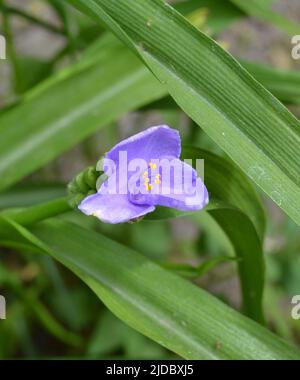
{"type": "Point", "coordinates": [149, 178]}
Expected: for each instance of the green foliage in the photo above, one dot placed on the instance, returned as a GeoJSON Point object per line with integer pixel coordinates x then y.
{"type": "Point", "coordinates": [162, 64]}
{"type": "Point", "coordinates": [171, 311]}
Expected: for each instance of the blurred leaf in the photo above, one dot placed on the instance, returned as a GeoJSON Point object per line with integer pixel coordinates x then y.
{"type": "Point", "coordinates": [284, 84]}
{"type": "Point", "coordinates": [16, 11]}
{"type": "Point", "coordinates": [262, 9]}
{"type": "Point", "coordinates": [277, 315]}
{"type": "Point", "coordinates": [38, 310]}
{"type": "Point", "coordinates": [220, 14]}
{"type": "Point", "coordinates": [61, 297]}
{"type": "Point", "coordinates": [53, 327]}
{"type": "Point", "coordinates": [215, 241]}
{"type": "Point", "coordinates": [36, 213]}
{"type": "Point", "coordinates": [159, 304]}
{"type": "Point", "coordinates": [190, 271]}
{"type": "Point", "coordinates": [151, 239]}
{"type": "Point", "coordinates": [106, 337]}
{"type": "Point", "coordinates": [73, 107]}
{"type": "Point", "coordinates": [244, 119]}
{"type": "Point", "coordinates": [14, 330]}
{"type": "Point", "coordinates": [33, 72]}
{"type": "Point", "coordinates": [112, 335]}
{"type": "Point", "coordinates": [30, 194]}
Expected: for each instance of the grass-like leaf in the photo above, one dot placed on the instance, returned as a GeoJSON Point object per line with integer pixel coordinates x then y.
{"type": "Point", "coordinates": [171, 311]}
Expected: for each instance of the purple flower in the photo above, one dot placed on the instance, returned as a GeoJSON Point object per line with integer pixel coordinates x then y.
{"type": "Point", "coordinates": [142, 172]}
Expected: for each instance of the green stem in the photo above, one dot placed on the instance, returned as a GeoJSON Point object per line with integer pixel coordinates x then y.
{"type": "Point", "coordinates": [189, 271]}
{"type": "Point", "coordinates": [69, 30]}
{"type": "Point", "coordinates": [38, 213]}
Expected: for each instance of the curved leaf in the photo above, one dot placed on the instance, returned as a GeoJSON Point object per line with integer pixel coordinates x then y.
{"type": "Point", "coordinates": [157, 303]}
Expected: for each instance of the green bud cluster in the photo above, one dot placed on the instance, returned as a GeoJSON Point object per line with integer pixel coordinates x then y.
{"type": "Point", "coordinates": [83, 185]}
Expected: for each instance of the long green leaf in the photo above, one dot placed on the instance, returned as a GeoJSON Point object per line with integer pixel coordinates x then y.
{"type": "Point", "coordinates": [284, 84]}
{"type": "Point", "coordinates": [252, 126]}
{"type": "Point", "coordinates": [157, 303]}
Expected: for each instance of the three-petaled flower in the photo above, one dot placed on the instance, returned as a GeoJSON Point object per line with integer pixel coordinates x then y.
{"type": "Point", "coordinates": [153, 175]}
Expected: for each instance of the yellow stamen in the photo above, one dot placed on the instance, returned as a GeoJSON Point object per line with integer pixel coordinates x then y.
{"type": "Point", "coordinates": [152, 165]}
{"type": "Point", "coordinates": [157, 181]}
{"type": "Point", "coordinates": [148, 186]}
